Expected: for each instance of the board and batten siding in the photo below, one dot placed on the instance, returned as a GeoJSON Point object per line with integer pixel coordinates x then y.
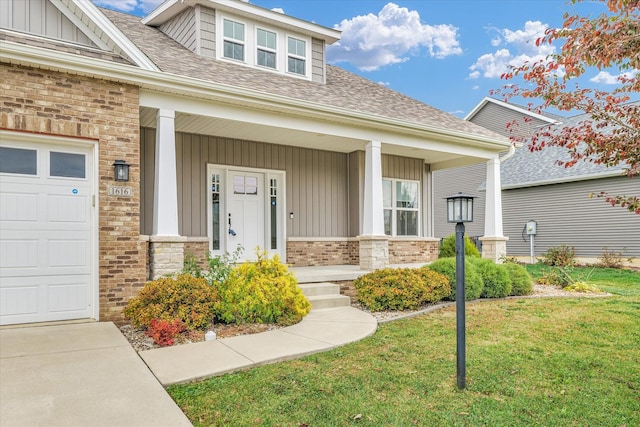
{"type": "Point", "coordinates": [183, 29]}
{"type": "Point", "coordinates": [42, 18]}
{"type": "Point", "coordinates": [316, 182]}
{"type": "Point", "coordinates": [495, 117]}
{"type": "Point", "coordinates": [567, 216]}
{"type": "Point", "coordinates": [466, 179]}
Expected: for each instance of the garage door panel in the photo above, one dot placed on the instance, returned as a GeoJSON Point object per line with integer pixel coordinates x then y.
{"type": "Point", "coordinates": [18, 207]}
{"type": "Point", "coordinates": [68, 253]}
{"type": "Point", "coordinates": [70, 297]}
{"type": "Point", "coordinates": [21, 253]}
{"type": "Point", "coordinates": [18, 300]}
{"type": "Point", "coordinates": [67, 208]}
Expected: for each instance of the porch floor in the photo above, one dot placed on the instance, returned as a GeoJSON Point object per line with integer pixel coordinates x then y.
{"type": "Point", "coordinates": [329, 273]}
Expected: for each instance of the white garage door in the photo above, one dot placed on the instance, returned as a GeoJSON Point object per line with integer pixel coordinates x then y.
{"type": "Point", "coordinates": [46, 238]}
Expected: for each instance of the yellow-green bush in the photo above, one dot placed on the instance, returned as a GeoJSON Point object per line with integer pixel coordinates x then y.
{"type": "Point", "coordinates": [263, 291]}
{"type": "Point", "coordinates": [401, 288]}
{"type": "Point", "coordinates": [473, 281]}
{"type": "Point", "coordinates": [448, 247]}
{"type": "Point", "coordinates": [189, 299]}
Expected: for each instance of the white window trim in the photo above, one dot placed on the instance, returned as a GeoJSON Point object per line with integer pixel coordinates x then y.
{"type": "Point", "coordinates": [394, 208]}
{"type": "Point", "coordinates": [267, 49]}
{"type": "Point", "coordinates": [251, 46]}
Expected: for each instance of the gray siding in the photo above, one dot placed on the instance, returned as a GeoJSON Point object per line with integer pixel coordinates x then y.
{"type": "Point", "coordinates": [316, 182]}
{"type": "Point", "coordinates": [318, 72]}
{"type": "Point", "coordinates": [42, 18]}
{"type": "Point", "coordinates": [466, 179]}
{"type": "Point", "coordinates": [495, 117]}
{"type": "Point", "coordinates": [207, 31]}
{"type": "Point", "coordinates": [567, 216]}
{"type": "Point", "coordinates": [182, 29]}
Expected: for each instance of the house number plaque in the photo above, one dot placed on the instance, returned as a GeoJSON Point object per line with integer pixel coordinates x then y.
{"type": "Point", "coordinates": [120, 191]}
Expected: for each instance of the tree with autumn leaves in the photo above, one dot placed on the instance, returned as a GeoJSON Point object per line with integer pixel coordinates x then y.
{"type": "Point", "coordinates": [610, 134]}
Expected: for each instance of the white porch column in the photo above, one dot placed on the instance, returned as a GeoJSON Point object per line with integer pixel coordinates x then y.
{"type": "Point", "coordinates": [494, 243]}
{"type": "Point", "coordinates": [166, 246]}
{"type": "Point", "coordinates": [374, 244]}
{"type": "Point", "coordinates": [165, 200]}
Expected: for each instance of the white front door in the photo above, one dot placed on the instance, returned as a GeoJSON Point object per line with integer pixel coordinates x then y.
{"type": "Point", "coordinates": [245, 217]}
{"type": "Point", "coordinates": [246, 209]}
{"type": "Point", "coordinates": [46, 233]}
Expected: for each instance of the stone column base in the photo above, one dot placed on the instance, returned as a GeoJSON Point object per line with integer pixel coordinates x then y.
{"type": "Point", "coordinates": [494, 248]}
{"type": "Point", "coordinates": [374, 252]}
{"type": "Point", "coordinates": [166, 255]}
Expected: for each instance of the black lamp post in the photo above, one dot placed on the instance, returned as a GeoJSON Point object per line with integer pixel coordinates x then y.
{"type": "Point", "coordinates": [459, 211]}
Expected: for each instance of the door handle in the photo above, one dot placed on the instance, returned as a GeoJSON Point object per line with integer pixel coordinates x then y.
{"type": "Point", "coordinates": [231, 231]}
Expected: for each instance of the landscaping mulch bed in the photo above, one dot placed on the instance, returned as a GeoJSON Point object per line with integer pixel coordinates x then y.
{"type": "Point", "coordinates": [140, 341]}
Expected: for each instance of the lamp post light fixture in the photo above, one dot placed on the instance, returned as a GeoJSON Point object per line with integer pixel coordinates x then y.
{"type": "Point", "coordinates": [121, 171]}
{"type": "Point", "coordinates": [459, 211]}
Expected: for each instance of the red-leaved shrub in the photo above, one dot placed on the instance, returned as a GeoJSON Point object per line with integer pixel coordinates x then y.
{"type": "Point", "coordinates": [164, 332]}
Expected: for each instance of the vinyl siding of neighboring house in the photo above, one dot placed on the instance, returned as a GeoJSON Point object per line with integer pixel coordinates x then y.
{"type": "Point", "coordinates": [566, 215]}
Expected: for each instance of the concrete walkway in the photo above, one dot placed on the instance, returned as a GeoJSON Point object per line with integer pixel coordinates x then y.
{"type": "Point", "coordinates": [320, 330]}
{"type": "Point", "coordinates": [83, 374]}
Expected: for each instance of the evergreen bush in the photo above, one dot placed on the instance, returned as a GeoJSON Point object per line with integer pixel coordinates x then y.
{"type": "Point", "coordinates": [473, 282]}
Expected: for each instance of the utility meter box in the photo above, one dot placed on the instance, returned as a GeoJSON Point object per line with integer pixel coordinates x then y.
{"type": "Point", "coordinates": [532, 227]}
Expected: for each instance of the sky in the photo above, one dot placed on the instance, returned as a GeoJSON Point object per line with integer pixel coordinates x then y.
{"type": "Point", "coordinates": [445, 53]}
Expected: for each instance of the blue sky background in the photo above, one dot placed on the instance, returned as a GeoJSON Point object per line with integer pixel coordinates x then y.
{"type": "Point", "coordinates": [445, 53]}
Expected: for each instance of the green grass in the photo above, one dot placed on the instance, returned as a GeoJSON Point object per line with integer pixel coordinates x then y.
{"type": "Point", "coordinates": [612, 280]}
{"type": "Point", "coordinates": [543, 362]}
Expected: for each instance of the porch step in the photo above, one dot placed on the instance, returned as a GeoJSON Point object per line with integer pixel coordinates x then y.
{"type": "Point", "coordinates": [324, 295]}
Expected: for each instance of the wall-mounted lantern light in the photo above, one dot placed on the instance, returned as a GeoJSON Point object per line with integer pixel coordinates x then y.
{"type": "Point", "coordinates": [121, 170]}
{"type": "Point", "coordinates": [460, 210]}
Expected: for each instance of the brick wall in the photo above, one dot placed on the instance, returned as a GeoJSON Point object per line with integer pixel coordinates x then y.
{"type": "Point", "coordinates": [411, 251]}
{"type": "Point", "coordinates": [53, 103]}
{"type": "Point", "coordinates": [305, 253]}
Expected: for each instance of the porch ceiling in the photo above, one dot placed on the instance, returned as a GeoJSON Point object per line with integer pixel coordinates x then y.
{"type": "Point", "coordinates": [236, 129]}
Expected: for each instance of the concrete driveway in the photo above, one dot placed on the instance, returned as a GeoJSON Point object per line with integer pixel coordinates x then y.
{"type": "Point", "coordinates": [83, 374]}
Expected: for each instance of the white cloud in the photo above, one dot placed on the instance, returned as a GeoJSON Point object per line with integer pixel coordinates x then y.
{"type": "Point", "coordinates": [476, 87]}
{"type": "Point", "coordinates": [391, 37]}
{"type": "Point", "coordinates": [130, 5]}
{"type": "Point", "coordinates": [384, 83]}
{"type": "Point", "coordinates": [520, 47]}
{"type": "Point", "coordinates": [607, 78]}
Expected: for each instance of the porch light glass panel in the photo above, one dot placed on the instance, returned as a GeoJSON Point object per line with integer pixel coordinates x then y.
{"type": "Point", "coordinates": [460, 208]}
{"type": "Point", "coordinates": [215, 211]}
{"type": "Point", "coordinates": [273, 212]}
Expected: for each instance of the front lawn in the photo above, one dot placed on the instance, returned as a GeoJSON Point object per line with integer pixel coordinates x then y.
{"type": "Point", "coordinates": [565, 361]}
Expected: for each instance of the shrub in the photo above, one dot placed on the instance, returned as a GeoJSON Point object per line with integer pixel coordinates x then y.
{"type": "Point", "coordinates": [187, 298]}
{"type": "Point", "coordinates": [401, 288]}
{"type": "Point", "coordinates": [521, 282]}
{"type": "Point", "coordinates": [263, 291]}
{"type": "Point", "coordinates": [220, 267]}
{"type": "Point", "coordinates": [611, 259]}
{"type": "Point", "coordinates": [560, 256]}
{"type": "Point", "coordinates": [582, 287]}
{"type": "Point", "coordinates": [448, 247]}
{"type": "Point", "coordinates": [494, 277]}
{"type": "Point", "coordinates": [473, 282]}
{"type": "Point", "coordinates": [164, 332]}
{"type": "Point", "coordinates": [557, 276]}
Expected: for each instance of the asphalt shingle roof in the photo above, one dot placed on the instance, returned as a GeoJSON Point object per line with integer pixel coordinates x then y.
{"type": "Point", "coordinates": [342, 89]}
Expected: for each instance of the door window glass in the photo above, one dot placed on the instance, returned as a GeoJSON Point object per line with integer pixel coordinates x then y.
{"type": "Point", "coordinates": [67, 165]}
{"type": "Point", "coordinates": [18, 160]}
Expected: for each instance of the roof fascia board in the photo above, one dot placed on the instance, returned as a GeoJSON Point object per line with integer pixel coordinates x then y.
{"type": "Point", "coordinates": [488, 99]}
{"type": "Point", "coordinates": [202, 89]}
{"type": "Point", "coordinates": [93, 14]}
{"type": "Point", "coordinates": [169, 9]}
{"type": "Point", "coordinates": [610, 174]}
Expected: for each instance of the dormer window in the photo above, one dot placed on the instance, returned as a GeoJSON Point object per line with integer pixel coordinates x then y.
{"type": "Point", "coordinates": [296, 56]}
{"type": "Point", "coordinates": [234, 40]}
{"type": "Point", "coordinates": [267, 42]}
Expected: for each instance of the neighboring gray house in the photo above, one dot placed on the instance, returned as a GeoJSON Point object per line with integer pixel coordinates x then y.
{"type": "Point", "coordinates": [535, 187]}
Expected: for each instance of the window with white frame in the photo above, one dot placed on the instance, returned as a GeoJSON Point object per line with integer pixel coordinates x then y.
{"type": "Point", "coordinates": [296, 56]}
{"type": "Point", "coordinates": [401, 207]}
{"type": "Point", "coordinates": [234, 40]}
{"type": "Point", "coordinates": [266, 42]}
